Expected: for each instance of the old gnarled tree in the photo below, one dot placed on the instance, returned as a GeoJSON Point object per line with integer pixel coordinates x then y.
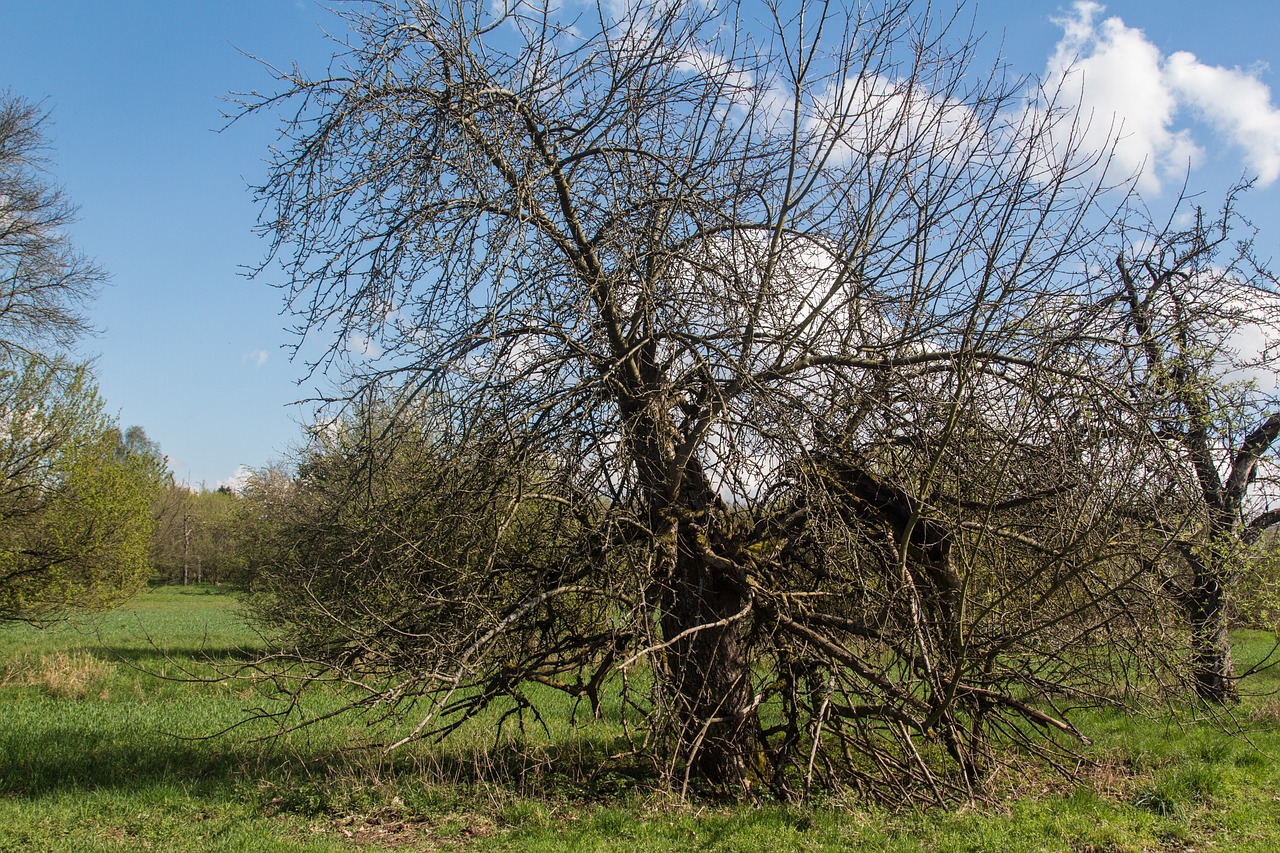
{"type": "Point", "coordinates": [777, 320]}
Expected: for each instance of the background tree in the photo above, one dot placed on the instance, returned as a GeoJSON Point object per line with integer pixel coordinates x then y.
{"type": "Point", "coordinates": [262, 504]}
{"type": "Point", "coordinates": [45, 282]}
{"type": "Point", "coordinates": [739, 296]}
{"type": "Point", "coordinates": [197, 536]}
{"type": "Point", "coordinates": [75, 493]}
{"type": "Point", "coordinates": [1256, 594]}
{"type": "Point", "coordinates": [1201, 316]}
{"type": "Point", "coordinates": [388, 547]}
{"type": "Point", "coordinates": [76, 504]}
{"type": "Point", "coordinates": [171, 532]}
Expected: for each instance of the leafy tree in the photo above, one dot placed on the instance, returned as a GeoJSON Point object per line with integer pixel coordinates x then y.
{"type": "Point", "coordinates": [1256, 599]}
{"type": "Point", "coordinates": [259, 513]}
{"type": "Point", "coordinates": [197, 537]}
{"type": "Point", "coordinates": [76, 504]}
{"type": "Point", "coordinates": [758, 353]}
{"type": "Point", "coordinates": [170, 535]}
{"type": "Point", "coordinates": [387, 545]}
{"type": "Point", "coordinates": [75, 493]}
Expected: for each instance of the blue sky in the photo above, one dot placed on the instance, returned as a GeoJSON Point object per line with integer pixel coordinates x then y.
{"type": "Point", "coordinates": [194, 352]}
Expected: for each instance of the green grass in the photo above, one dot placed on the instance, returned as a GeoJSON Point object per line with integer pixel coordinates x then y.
{"type": "Point", "coordinates": [103, 747]}
{"type": "Point", "coordinates": [96, 754]}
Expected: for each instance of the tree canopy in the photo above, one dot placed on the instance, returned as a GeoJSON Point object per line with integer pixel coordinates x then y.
{"type": "Point", "coordinates": [45, 281]}
{"type": "Point", "coordinates": [76, 501]}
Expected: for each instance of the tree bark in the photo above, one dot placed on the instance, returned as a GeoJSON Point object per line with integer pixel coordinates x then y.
{"type": "Point", "coordinates": [703, 613]}
{"type": "Point", "coordinates": [1214, 671]}
{"type": "Point", "coordinates": [709, 667]}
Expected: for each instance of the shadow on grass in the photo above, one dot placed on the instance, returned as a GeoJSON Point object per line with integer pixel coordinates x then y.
{"type": "Point", "coordinates": [585, 769]}
{"type": "Point", "coordinates": [71, 759]}
{"type": "Point", "coordinates": [144, 656]}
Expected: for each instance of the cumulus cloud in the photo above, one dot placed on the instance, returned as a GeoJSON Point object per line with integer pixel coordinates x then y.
{"type": "Point", "coordinates": [236, 482]}
{"type": "Point", "coordinates": [1237, 104]}
{"type": "Point", "coordinates": [257, 358]}
{"type": "Point", "coordinates": [1127, 89]}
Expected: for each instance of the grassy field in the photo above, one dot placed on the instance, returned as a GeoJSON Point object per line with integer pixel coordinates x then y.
{"type": "Point", "coordinates": [96, 754]}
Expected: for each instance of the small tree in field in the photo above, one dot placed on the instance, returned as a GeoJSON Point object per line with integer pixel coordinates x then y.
{"type": "Point", "coordinates": [390, 524]}
{"type": "Point", "coordinates": [758, 353]}
{"type": "Point", "coordinates": [1202, 319]}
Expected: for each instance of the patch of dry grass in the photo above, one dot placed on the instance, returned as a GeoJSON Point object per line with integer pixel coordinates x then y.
{"type": "Point", "coordinates": [1266, 711]}
{"type": "Point", "coordinates": [61, 675]}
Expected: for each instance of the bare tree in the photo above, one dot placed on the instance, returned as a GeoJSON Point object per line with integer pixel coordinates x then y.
{"type": "Point", "coordinates": [44, 280]}
{"type": "Point", "coordinates": [1201, 316]}
{"type": "Point", "coordinates": [777, 309]}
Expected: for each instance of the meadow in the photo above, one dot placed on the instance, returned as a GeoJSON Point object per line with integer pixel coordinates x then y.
{"type": "Point", "coordinates": [109, 741]}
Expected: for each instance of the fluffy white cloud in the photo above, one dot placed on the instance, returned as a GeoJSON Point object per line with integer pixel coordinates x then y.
{"type": "Point", "coordinates": [236, 482]}
{"type": "Point", "coordinates": [1126, 89]}
{"type": "Point", "coordinates": [257, 358]}
{"type": "Point", "coordinates": [1235, 103]}
{"type": "Point", "coordinates": [1115, 77]}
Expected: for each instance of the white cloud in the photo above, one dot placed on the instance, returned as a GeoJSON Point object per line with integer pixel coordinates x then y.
{"type": "Point", "coordinates": [1125, 88]}
{"type": "Point", "coordinates": [1113, 75]}
{"type": "Point", "coordinates": [1235, 103]}
{"type": "Point", "coordinates": [236, 482]}
{"type": "Point", "coordinates": [257, 358]}
{"type": "Point", "coordinates": [358, 344]}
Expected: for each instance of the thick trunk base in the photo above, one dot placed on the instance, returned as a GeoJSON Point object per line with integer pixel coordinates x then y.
{"type": "Point", "coordinates": [709, 676]}
{"type": "Point", "coordinates": [1214, 672]}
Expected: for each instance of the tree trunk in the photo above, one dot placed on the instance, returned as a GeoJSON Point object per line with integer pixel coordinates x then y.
{"type": "Point", "coordinates": [709, 667]}
{"type": "Point", "coordinates": [1214, 672]}
{"type": "Point", "coordinates": [706, 668]}
{"type": "Point", "coordinates": [1206, 603]}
